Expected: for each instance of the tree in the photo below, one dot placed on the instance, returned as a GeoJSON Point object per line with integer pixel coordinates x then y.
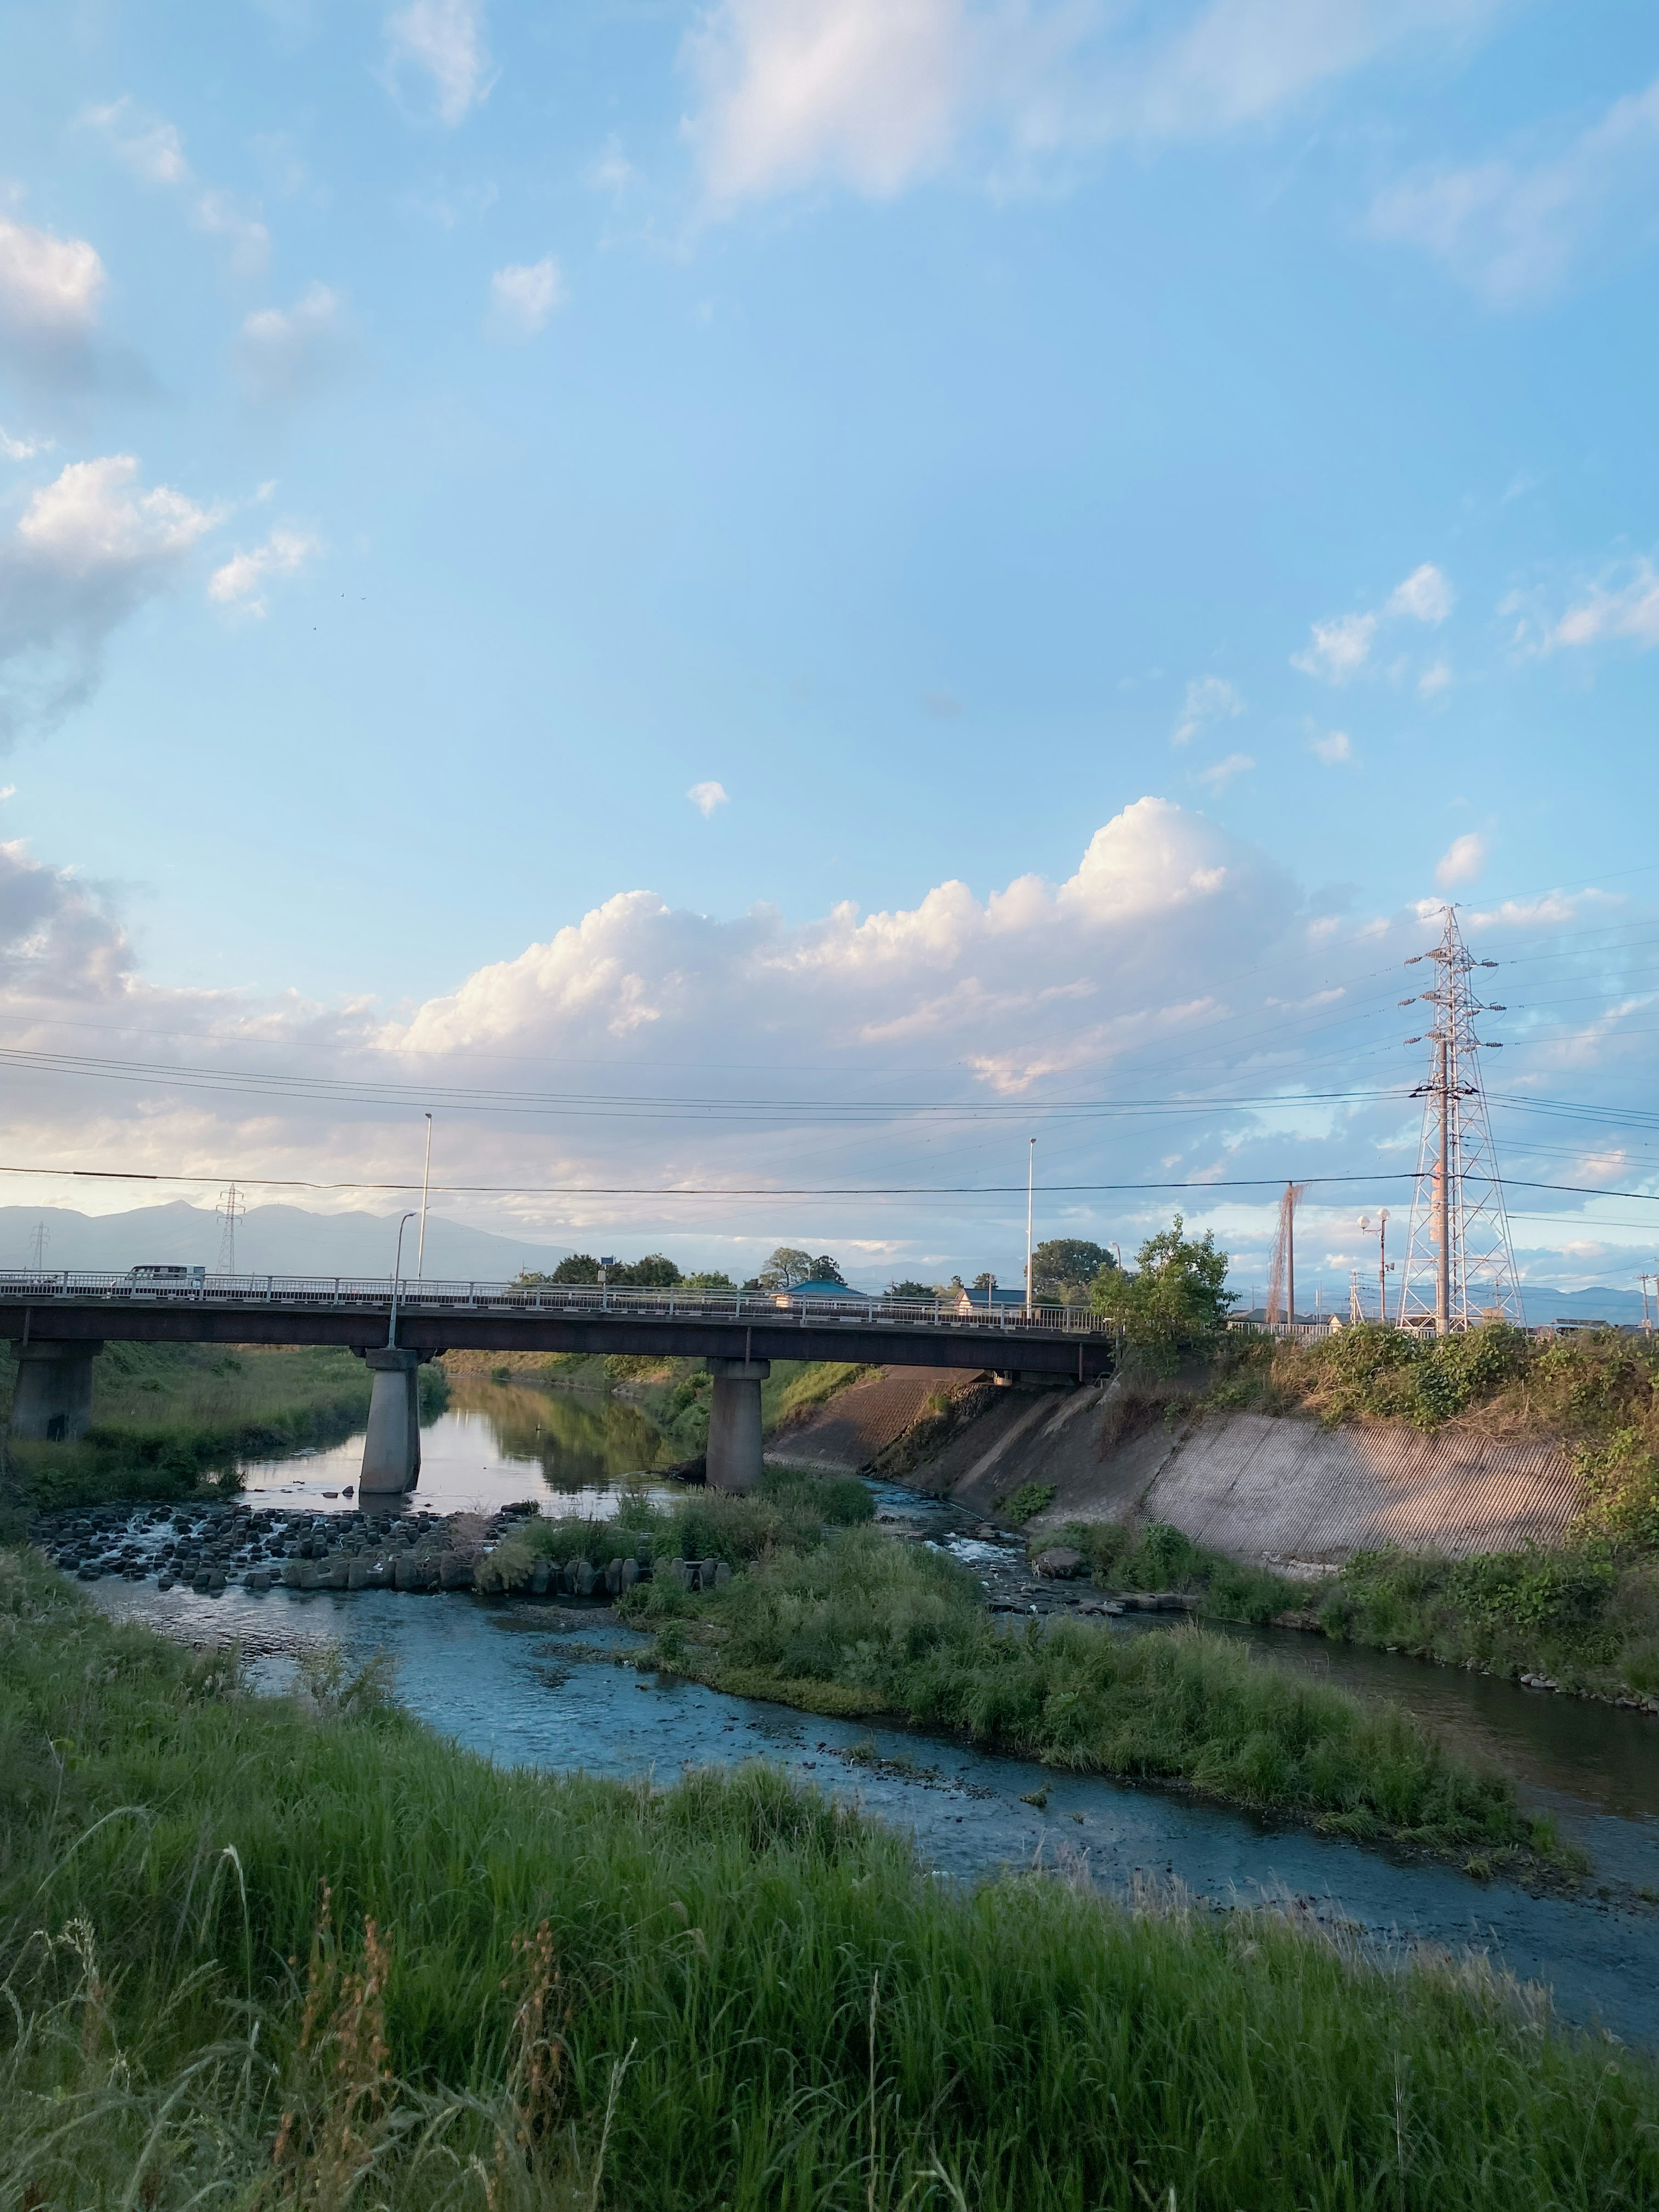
{"type": "Point", "coordinates": [985, 1282]}
{"type": "Point", "coordinates": [576, 1268]}
{"type": "Point", "coordinates": [1063, 1268]}
{"type": "Point", "coordinates": [826, 1270]}
{"type": "Point", "coordinates": [709, 1282]}
{"type": "Point", "coordinates": [786, 1267]}
{"type": "Point", "coordinates": [653, 1272]}
{"type": "Point", "coordinates": [910, 1290]}
{"type": "Point", "coordinates": [1173, 1306]}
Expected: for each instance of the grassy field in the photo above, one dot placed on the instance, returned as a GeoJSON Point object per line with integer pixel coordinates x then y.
{"type": "Point", "coordinates": [302, 1953]}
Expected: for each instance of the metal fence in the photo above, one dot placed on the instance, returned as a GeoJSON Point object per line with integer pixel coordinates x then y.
{"type": "Point", "coordinates": [423, 1294]}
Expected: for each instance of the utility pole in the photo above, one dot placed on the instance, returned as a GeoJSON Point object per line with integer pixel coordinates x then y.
{"type": "Point", "coordinates": [1460, 1246]}
{"type": "Point", "coordinates": [1031, 1192]}
{"type": "Point", "coordinates": [426, 1186]}
{"type": "Point", "coordinates": [1289, 1251]}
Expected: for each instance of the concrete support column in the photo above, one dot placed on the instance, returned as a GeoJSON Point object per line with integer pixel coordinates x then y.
{"type": "Point", "coordinates": [52, 1401]}
{"type": "Point", "coordinates": [391, 1449]}
{"type": "Point", "coordinates": [734, 1423]}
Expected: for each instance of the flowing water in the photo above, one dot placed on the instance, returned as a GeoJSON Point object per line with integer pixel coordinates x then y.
{"type": "Point", "coordinates": [506, 1680]}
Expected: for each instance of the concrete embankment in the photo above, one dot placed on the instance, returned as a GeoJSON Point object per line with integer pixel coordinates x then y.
{"type": "Point", "coordinates": [1250, 1485]}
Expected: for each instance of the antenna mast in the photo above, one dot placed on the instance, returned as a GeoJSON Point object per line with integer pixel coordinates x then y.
{"type": "Point", "coordinates": [232, 1205]}
{"type": "Point", "coordinates": [1460, 1264]}
{"type": "Point", "coordinates": [1281, 1278]}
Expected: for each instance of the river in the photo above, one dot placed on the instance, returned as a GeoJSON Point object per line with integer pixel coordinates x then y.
{"type": "Point", "coordinates": [500, 1680]}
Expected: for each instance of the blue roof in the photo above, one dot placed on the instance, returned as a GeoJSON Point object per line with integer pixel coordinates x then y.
{"type": "Point", "coordinates": [823, 1287]}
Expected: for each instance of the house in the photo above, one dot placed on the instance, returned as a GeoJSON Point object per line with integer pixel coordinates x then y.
{"type": "Point", "coordinates": [997, 1301]}
{"type": "Point", "coordinates": [822, 1286]}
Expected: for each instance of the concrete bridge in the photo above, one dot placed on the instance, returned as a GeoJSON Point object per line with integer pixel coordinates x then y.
{"type": "Point", "coordinates": [58, 1323]}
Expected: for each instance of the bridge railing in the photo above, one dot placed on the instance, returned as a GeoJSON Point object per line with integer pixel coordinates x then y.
{"type": "Point", "coordinates": [428, 1294]}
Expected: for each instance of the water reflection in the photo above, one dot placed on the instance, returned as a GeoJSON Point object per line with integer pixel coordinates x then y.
{"type": "Point", "coordinates": [574, 1451]}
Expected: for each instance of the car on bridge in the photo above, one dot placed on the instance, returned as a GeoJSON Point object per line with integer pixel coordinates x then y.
{"type": "Point", "coordinates": [166, 1278]}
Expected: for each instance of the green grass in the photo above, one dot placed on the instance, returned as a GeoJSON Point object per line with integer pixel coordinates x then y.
{"type": "Point", "coordinates": [260, 1953]}
{"type": "Point", "coordinates": [1024, 1503]}
{"type": "Point", "coordinates": [862, 1624]}
{"type": "Point", "coordinates": [168, 1420]}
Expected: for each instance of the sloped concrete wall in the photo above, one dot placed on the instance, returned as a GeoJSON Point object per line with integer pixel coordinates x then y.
{"type": "Point", "coordinates": [1250, 1484]}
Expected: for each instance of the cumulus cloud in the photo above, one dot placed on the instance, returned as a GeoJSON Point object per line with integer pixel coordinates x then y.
{"type": "Point", "coordinates": [154, 151]}
{"type": "Point", "coordinates": [88, 549]}
{"type": "Point", "coordinates": [706, 797]}
{"type": "Point", "coordinates": [285, 355]}
{"type": "Point", "coordinates": [876, 94]}
{"type": "Point", "coordinates": [1209, 699]}
{"type": "Point", "coordinates": [1434, 680]}
{"type": "Point", "coordinates": [58, 939]}
{"type": "Point", "coordinates": [443, 42]}
{"type": "Point", "coordinates": [23, 449]}
{"type": "Point", "coordinates": [523, 297]}
{"type": "Point", "coordinates": [49, 292]}
{"type": "Point", "coordinates": [1338, 650]}
{"type": "Point", "coordinates": [241, 581]}
{"type": "Point", "coordinates": [1461, 862]}
{"type": "Point", "coordinates": [1333, 748]}
{"type": "Point", "coordinates": [1511, 228]}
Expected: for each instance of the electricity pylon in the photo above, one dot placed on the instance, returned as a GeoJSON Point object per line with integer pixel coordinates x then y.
{"type": "Point", "coordinates": [1460, 1264]}
{"type": "Point", "coordinates": [232, 1207]}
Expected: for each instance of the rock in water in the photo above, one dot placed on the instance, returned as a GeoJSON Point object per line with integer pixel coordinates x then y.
{"type": "Point", "coordinates": [1060, 1561]}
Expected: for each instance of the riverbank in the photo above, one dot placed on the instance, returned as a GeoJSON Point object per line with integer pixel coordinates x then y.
{"type": "Point", "coordinates": [173, 1422]}
{"type": "Point", "coordinates": [730, 1994]}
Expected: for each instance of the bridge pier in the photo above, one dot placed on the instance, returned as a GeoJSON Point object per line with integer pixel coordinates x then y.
{"type": "Point", "coordinates": [392, 1448]}
{"type": "Point", "coordinates": [734, 1423]}
{"type": "Point", "coordinates": [52, 1401]}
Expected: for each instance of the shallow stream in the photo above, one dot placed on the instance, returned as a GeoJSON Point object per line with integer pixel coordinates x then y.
{"type": "Point", "coordinates": [507, 1681]}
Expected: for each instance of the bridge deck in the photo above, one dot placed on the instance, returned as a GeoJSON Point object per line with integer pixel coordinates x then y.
{"type": "Point", "coordinates": [435, 1318]}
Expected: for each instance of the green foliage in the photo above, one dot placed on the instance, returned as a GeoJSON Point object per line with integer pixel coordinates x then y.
{"type": "Point", "coordinates": [1024, 1503]}
{"type": "Point", "coordinates": [909, 1289]}
{"type": "Point", "coordinates": [863, 1624]}
{"type": "Point", "coordinates": [787, 1265]}
{"type": "Point", "coordinates": [765, 2000]}
{"type": "Point", "coordinates": [715, 1281]}
{"type": "Point", "coordinates": [1063, 1268]}
{"type": "Point", "coordinates": [1173, 1307]}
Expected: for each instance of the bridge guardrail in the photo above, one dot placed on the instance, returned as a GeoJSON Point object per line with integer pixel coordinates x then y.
{"type": "Point", "coordinates": [422, 1294]}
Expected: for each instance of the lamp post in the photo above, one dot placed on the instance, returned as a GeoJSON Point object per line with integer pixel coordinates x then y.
{"type": "Point", "coordinates": [396, 1277]}
{"type": "Point", "coordinates": [426, 1186]}
{"type": "Point", "coordinates": [1031, 1192]}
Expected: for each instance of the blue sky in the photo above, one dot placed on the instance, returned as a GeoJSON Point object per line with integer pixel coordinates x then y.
{"type": "Point", "coordinates": [440, 437]}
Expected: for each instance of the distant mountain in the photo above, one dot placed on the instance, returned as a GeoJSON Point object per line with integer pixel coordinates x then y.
{"type": "Point", "coordinates": [271, 1240]}
{"type": "Point", "coordinates": [1545, 1305]}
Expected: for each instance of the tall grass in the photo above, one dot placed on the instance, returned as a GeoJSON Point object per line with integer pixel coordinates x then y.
{"type": "Point", "coordinates": [258, 1953]}
{"type": "Point", "coordinates": [868, 1626]}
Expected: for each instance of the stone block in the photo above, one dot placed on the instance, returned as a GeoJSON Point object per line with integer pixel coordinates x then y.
{"type": "Point", "coordinates": [585, 1578]}
{"type": "Point", "coordinates": [358, 1571]}
{"type": "Point", "coordinates": [1060, 1561]}
{"type": "Point", "coordinates": [538, 1579]}
{"type": "Point", "coordinates": [722, 1575]}
{"type": "Point", "coordinates": [613, 1581]}
{"type": "Point", "coordinates": [454, 1573]}
{"type": "Point", "coordinates": [406, 1574]}
{"type": "Point", "coordinates": [630, 1573]}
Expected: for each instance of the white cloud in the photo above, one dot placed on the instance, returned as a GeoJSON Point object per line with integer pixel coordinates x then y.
{"type": "Point", "coordinates": [285, 353]}
{"type": "Point", "coordinates": [523, 297]}
{"type": "Point", "coordinates": [49, 291]}
{"type": "Point", "coordinates": [1209, 699]}
{"type": "Point", "coordinates": [876, 94]}
{"type": "Point", "coordinates": [1627, 610]}
{"type": "Point", "coordinates": [57, 940]}
{"type": "Point", "coordinates": [444, 40]}
{"type": "Point", "coordinates": [1461, 862]}
{"type": "Point", "coordinates": [613, 172]}
{"type": "Point", "coordinates": [1339, 650]}
{"type": "Point", "coordinates": [88, 549]}
{"type": "Point", "coordinates": [153, 150]}
{"type": "Point", "coordinates": [1223, 773]}
{"type": "Point", "coordinates": [1510, 228]}
{"type": "Point", "coordinates": [1427, 596]}
{"type": "Point", "coordinates": [1336, 747]}
{"type": "Point", "coordinates": [23, 449]}
{"type": "Point", "coordinates": [1434, 680]}
{"type": "Point", "coordinates": [242, 581]}
{"type": "Point", "coordinates": [706, 797]}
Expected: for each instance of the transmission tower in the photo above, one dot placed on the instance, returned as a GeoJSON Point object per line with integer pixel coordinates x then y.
{"type": "Point", "coordinates": [42, 1237]}
{"type": "Point", "coordinates": [1460, 1264]}
{"type": "Point", "coordinates": [231, 1208]}
{"type": "Point", "coordinates": [1281, 1272]}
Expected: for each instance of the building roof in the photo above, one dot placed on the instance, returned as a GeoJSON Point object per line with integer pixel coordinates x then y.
{"type": "Point", "coordinates": [825, 1287]}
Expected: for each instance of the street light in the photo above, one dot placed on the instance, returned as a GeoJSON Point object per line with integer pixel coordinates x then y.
{"type": "Point", "coordinates": [426, 1186]}
{"type": "Point", "coordinates": [396, 1277]}
{"type": "Point", "coordinates": [1030, 1187]}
